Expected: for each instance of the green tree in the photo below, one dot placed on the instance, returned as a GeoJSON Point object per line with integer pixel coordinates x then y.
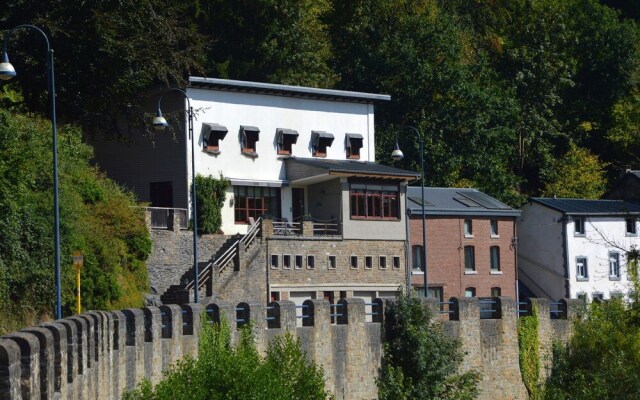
{"type": "Point", "coordinates": [578, 174]}
{"type": "Point", "coordinates": [420, 361]}
{"type": "Point", "coordinates": [224, 372]}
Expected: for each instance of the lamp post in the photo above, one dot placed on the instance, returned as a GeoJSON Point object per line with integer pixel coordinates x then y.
{"type": "Point", "coordinates": [160, 123]}
{"type": "Point", "coordinates": [397, 154]}
{"type": "Point", "coordinates": [7, 72]}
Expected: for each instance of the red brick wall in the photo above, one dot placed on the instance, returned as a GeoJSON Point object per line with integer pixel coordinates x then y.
{"type": "Point", "coordinates": [445, 255]}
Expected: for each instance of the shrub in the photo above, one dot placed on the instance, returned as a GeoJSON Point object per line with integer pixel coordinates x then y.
{"type": "Point", "coordinates": [210, 195]}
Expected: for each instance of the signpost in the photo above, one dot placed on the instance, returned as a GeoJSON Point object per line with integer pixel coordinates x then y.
{"type": "Point", "coordinates": [78, 261]}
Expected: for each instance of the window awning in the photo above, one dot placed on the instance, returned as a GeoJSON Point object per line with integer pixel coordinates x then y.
{"type": "Point", "coordinates": [354, 139]}
{"type": "Point", "coordinates": [217, 130]}
{"type": "Point", "coordinates": [317, 136]}
{"type": "Point", "coordinates": [290, 134]}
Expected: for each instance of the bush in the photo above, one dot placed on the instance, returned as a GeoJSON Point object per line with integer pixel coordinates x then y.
{"type": "Point", "coordinates": [210, 195]}
{"type": "Point", "coordinates": [420, 361]}
{"type": "Point", "coordinates": [224, 372]}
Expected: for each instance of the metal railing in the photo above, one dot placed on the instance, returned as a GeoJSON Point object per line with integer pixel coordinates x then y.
{"type": "Point", "coordinates": [285, 228]}
{"type": "Point", "coordinates": [326, 228]}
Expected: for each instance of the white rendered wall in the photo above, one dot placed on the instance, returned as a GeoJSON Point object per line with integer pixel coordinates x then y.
{"type": "Point", "coordinates": [540, 254]}
{"type": "Point", "coordinates": [268, 113]}
{"type": "Point", "coordinates": [602, 235]}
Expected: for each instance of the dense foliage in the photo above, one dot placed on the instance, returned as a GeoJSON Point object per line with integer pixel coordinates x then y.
{"type": "Point", "coordinates": [499, 89]}
{"type": "Point", "coordinates": [96, 217]}
{"type": "Point", "coordinates": [528, 354]}
{"type": "Point", "coordinates": [224, 372]}
{"type": "Point", "coordinates": [602, 360]}
{"type": "Point", "coordinates": [210, 195]}
{"type": "Point", "coordinates": [420, 361]}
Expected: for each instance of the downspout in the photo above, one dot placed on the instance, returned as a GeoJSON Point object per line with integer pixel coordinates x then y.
{"type": "Point", "coordinates": [268, 268]}
{"type": "Point", "coordinates": [407, 243]}
{"type": "Point", "coordinates": [514, 242]}
{"type": "Point", "coordinates": [565, 220]}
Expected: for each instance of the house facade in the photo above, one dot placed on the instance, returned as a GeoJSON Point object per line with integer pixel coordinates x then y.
{"type": "Point", "coordinates": [301, 162]}
{"type": "Point", "coordinates": [576, 248]}
{"type": "Point", "coordinates": [470, 239]}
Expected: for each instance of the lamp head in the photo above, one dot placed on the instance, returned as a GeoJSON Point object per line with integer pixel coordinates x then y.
{"type": "Point", "coordinates": [397, 154]}
{"type": "Point", "coordinates": [6, 69]}
{"type": "Point", "coordinates": [159, 122]}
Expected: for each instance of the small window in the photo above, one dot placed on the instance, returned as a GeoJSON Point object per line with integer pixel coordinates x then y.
{"type": "Point", "coordinates": [275, 296]}
{"type": "Point", "coordinates": [494, 228]}
{"type": "Point", "coordinates": [582, 271]}
{"type": "Point", "coordinates": [631, 226]}
{"type": "Point", "coordinates": [212, 134]}
{"type": "Point", "coordinates": [286, 261]}
{"type": "Point", "coordinates": [298, 261]}
{"type": "Point", "coordinates": [275, 261]}
{"type": "Point", "coordinates": [469, 259]}
{"type": "Point", "coordinates": [396, 262]}
{"type": "Point", "coordinates": [581, 296]}
{"type": "Point", "coordinates": [354, 262]}
{"type": "Point", "coordinates": [496, 292]}
{"type": "Point", "coordinates": [353, 145]}
{"type": "Point", "coordinates": [311, 262]}
{"type": "Point", "coordinates": [468, 228]}
{"type": "Point", "coordinates": [436, 292]}
{"type": "Point", "coordinates": [332, 262]}
{"type": "Point", "coordinates": [286, 138]}
{"type": "Point", "coordinates": [382, 262]}
{"type": "Point", "coordinates": [578, 226]}
{"type": "Point", "coordinates": [495, 258]}
{"type": "Point", "coordinates": [616, 295]}
{"type": "Point", "coordinates": [368, 262]}
{"type": "Point", "coordinates": [319, 142]}
{"type": "Point", "coordinates": [416, 259]}
{"type": "Point", "coordinates": [597, 297]}
{"type": "Point", "coordinates": [249, 136]}
{"type": "Point", "coordinates": [470, 292]}
{"type": "Point", "coordinates": [614, 266]}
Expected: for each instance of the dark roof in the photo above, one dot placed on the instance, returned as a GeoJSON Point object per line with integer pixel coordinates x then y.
{"type": "Point", "coordinates": [285, 90]}
{"type": "Point", "coordinates": [456, 201]}
{"type": "Point", "coordinates": [352, 167]}
{"type": "Point", "coordinates": [589, 207]}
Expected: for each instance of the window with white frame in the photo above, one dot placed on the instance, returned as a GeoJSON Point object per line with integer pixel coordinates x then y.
{"type": "Point", "coordinates": [382, 262]}
{"type": "Point", "coordinates": [298, 261]}
{"type": "Point", "coordinates": [311, 261]}
{"type": "Point", "coordinates": [614, 265]}
{"type": "Point", "coordinates": [469, 259]}
{"type": "Point", "coordinates": [496, 292]}
{"type": "Point", "coordinates": [396, 262]}
{"type": "Point", "coordinates": [416, 259]}
{"type": "Point", "coordinates": [494, 228]}
{"type": "Point", "coordinates": [468, 228]}
{"type": "Point", "coordinates": [470, 292]}
{"type": "Point", "coordinates": [354, 262]}
{"type": "Point", "coordinates": [495, 258]}
{"type": "Point", "coordinates": [332, 262]}
{"type": "Point", "coordinates": [597, 296]}
{"type": "Point", "coordinates": [631, 229]}
{"type": "Point", "coordinates": [286, 261]}
{"type": "Point", "coordinates": [578, 226]}
{"type": "Point", "coordinates": [275, 260]}
{"type": "Point", "coordinates": [582, 270]}
{"type": "Point", "coordinates": [368, 262]}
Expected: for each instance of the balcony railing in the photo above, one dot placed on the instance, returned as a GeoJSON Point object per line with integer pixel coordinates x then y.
{"type": "Point", "coordinates": [164, 218]}
{"type": "Point", "coordinates": [308, 227]}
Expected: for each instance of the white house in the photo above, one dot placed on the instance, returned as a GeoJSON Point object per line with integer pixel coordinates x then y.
{"type": "Point", "coordinates": [576, 248]}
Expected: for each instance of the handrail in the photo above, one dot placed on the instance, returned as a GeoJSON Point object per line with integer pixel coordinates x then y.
{"type": "Point", "coordinates": [248, 239]}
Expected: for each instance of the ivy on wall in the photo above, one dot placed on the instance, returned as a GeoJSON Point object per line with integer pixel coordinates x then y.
{"type": "Point", "coordinates": [210, 195]}
{"type": "Point", "coordinates": [528, 353]}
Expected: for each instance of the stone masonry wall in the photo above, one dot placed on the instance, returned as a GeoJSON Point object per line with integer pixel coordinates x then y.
{"type": "Point", "coordinates": [98, 355]}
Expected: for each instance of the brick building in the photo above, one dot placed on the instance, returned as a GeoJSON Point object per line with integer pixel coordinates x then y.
{"type": "Point", "coordinates": [470, 243]}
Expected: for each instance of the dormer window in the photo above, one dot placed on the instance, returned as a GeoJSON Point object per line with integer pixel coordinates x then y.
{"type": "Point", "coordinates": [320, 140]}
{"type": "Point", "coordinates": [353, 144]}
{"type": "Point", "coordinates": [249, 136]}
{"type": "Point", "coordinates": [212, 134]}
{"type": "Point", "coordinates": [286, 139]}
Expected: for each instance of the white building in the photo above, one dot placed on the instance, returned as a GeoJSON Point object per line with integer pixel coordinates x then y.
{"type": "Point", "coordinates": [288, 151]}
{"type": "Point", "coordinates": [576, 248]}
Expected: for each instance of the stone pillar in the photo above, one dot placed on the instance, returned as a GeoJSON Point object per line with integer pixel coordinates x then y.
{"type": "Point", "coordinates": [134, 347]}
{"type": "Point", "coordinates": [267, 227]}
{"type": "Point", "coordinates": [72, 379]}
{"type": "Point", "coordinates": [172, 334]}
{"type": "Point", "coordinates": [468, 331]}
{"type": "Point", "coordinates": [258, 317]}
{"type": "Point", "coordinates": [120, 358]}
{"type": "Point", "coordinates": [45, 360]}
{"type": "Point", "coordinates": [29, 350]}
{"type": "Point", "coordinates": [59, 335]}
{"type": "Point", "coordinates": [307, 227]}
{"type": "Point", "coordinates": [82, 347]}
{"type": "Point", "coordinates": [322, 339]}
{"type": "Point", "coordinates": [10, 370]}
{"type": "Point", "coordinates": [191, 328]}
{"type": "Point", "coordinates": [287, 315]}
{"type": "Point", "coordinates": [152, 345]}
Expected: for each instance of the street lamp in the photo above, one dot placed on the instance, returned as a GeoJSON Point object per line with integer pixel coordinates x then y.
{"type": "Point", "coordinates": [7, 72]}
{"type": "Point", "coordinates": [160, 123]}
{"type": "Point", "coordinates": [397, 155]}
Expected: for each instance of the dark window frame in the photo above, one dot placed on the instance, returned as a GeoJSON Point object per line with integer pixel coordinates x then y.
{"type": "Point", "coordinates": [254, 203]}
{"type": "Point", "coordinates": [494, 258]}
{"type": "Point", "coordinates": [469, 259]}
{"type": "Point", "coordinates": [367, 202]}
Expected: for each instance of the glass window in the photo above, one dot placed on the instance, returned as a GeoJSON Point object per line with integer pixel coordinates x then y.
{"type": "Point", "coordinates": [495, 258]}
{"type": "Point", "coordinates": [368, 262]}
{"type": "Point", "coordinates": [578, 226]}
{"type": "Point", "coordinates": [582, 271]}
{"type": "Point", "coordinates": [311, 262]}
{"type": "Point", "coordinates": [298, 261]}
{"type": "Point", "coordinates": [253, 201]}
{"type": "Point", "coordinates": [396, 262]}
{"type": "Point", "coordinates": [469, 258]}
{"type": "Point", "coordinates": [470, 292]}
{"type": "Point", "coordinates": [286, 261]}
{"type": "Point", "coordinates": [468, 227]}
{"type": "Point", "coordinates": [274, 261]}
{"type": "Point", "coordinates": [631, 226]}
{"type": "Point", "coordinates": [436, 292]}
{"type": "Point", "coordinates": [354, 261]}
{"type": "Point", "coordinates": [597, 297]}
{"type": "Point", "coordinates": [614, 265]}
{"type": "Point", "coordinates": [494, 227]}
{"type": "Point", "coordinates": [332, 262]}
{"type": "Point", "coordinates": [382, 262]}
{"type": "Point", "coordinates": [374, 201]}
{"type": "Point", "coordinates": [416, 259]}
{"type": "Point", "coordinates": [496, 292]}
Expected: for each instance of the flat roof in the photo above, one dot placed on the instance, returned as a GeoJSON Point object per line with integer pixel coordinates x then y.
{"type": "Point", "coordinates": [589, 207]}
{"type": "Point", "coordinates": [285, 90]}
